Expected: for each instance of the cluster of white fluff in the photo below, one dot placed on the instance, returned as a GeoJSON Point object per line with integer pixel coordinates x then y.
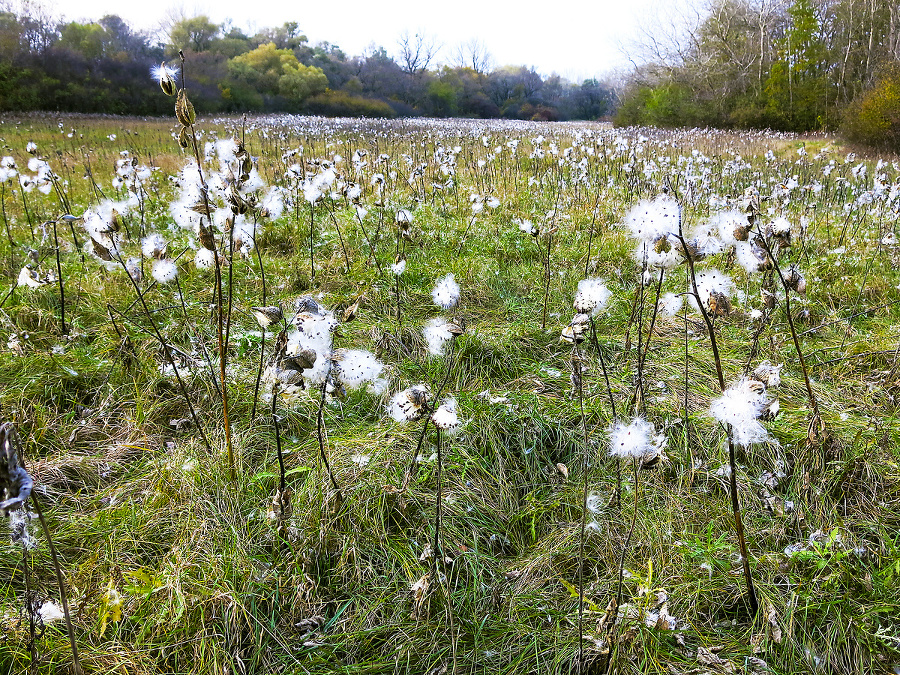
{"type": "Point", "coordinates": [729, 224]}
{"type": "Point", "coordinates": [671, 303]}
{"type": "Point", "coordinates": [164, 270]}
{"type": "Point", "coordinates": [190, 193]}
{"type": "Point", "coordinates": [409, 404]}
{"type": "Point", "coordinates": [98, 223]}
{"type": "Point", "coordinates": [204, 259]}
{"type": "Point", "coordinates": [446, 292]}
{"type": "Point", "coordinates": [273, 202]}
{"type": "Point", "coordinates": [661, 254]}
{"type": "Point", "coordinates": [637, 440]}
{"type": "Point", "coordinates": [154, 245]}
{"type": "Point", "coordinates": [740, 407]}
{"type": "Point", "coordinates": [591, 296]}
{"type": "Point", "coordinates": [712, 281]}
{"type": "Point", "coordinates": [751, 256]}
{"type": "Point", "coordinates": [317, 186]}
{"type": "Point", "coordinates": [446, 417]}
{"type": "Point", "coordinates": [437, 335]}
{"type": "Point", "coordinates": [398, 267]}
{"type": "Point", "coordinates": [649, 220]}
{"type": "Point", "coordinates": [654, 224]}
{"type": "Point", "coordinates": [7, 169]}
{"type": "Point", "coordinates": [314, 328]}
{"type": "Point", "coordinates": [356, 367]}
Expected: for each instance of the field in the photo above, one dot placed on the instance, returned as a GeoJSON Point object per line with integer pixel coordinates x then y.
{"type": "Point", "coordinates": [350, 524]}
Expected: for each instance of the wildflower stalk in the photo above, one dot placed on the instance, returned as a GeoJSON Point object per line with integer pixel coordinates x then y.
{"type": "Point", "coordinates": [618, 602]}
{"type": "Point", "coordinates": [439, 560]}
{"type": "Point", "coordinates": [371, 246]}
{"type": "Point", "coordinates": [735, 503]}
{"type": "Point", "coordinates": [653, 315]}
{"type": "Point", "coordinates": [187, 319]}
{"type": "Point", "coordinates": [27, 214]}
{"type": "Point", "coordinates": [411, 468]}
{"type": "Point", "coordinates": [639, 390]}
{"type": "Point", "coordinates": [612, 406]}
{"type": "Point", "coordinates": [816, 422]}
{"type": "Point", "coordinates": [576, 363]}
{"type": "Point", "coordinates": [312, 263]}
{"type": "Point", "coordinates": [262, 343]}
{"type": "Point", "coordinates": [262, 355]}
{"type": "Point", "coordinates": [587, 261]}
{"type": "Point", "coordinates": [30, 605]}
{"type": "Point", "coordinates": [282, 479]}
{"type": "Point", "coordinates": [12, 244]}
{"type": "Point", "coordinates": [62, 289]}
{"type": "Point", "coordinates": [340, 237]}
{"type": "Point", "coordinates": [550, 234]}
{"type": "Point", "coordinates": [222, 345]}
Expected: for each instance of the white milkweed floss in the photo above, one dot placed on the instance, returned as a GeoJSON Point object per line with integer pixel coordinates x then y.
{"type": "Point", "coordinates": [445, 417]}
{"type": "Point", "coordinates": [446, 292]}
{"type": "Point", "coordinates": [637, 440]}
{"type": "Point", "coordinates": [437, 334]}
{"type": "Point", "coordinates": [591, 296]}
{"type": "Point", "coordinates": [740, 406]}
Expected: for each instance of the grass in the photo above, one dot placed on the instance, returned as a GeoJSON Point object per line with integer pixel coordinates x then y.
{"type": "Point", "coordinates": [207, 585]}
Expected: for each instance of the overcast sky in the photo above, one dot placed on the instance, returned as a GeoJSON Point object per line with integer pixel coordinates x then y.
{"type": "Point", "coordinates": [574, 38]}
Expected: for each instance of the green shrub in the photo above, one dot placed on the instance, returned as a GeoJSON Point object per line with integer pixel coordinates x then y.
{"type": "Point", "coordinates": [342, 104]}
{"type": "Point", "coordinates": [873, 118]}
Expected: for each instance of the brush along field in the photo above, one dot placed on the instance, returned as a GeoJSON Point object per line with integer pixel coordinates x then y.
{"type": "Point", "coordinates": [433, 469]}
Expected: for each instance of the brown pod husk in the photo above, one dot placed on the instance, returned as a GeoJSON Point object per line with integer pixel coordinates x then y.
{"type": "Point", "coordinates": [184, 110]}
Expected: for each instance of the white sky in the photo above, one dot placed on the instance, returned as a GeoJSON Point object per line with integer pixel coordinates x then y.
{"type": "Point", "coordinates": [574, 38]}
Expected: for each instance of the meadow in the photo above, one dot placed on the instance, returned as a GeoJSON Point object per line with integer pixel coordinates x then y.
{"type": "Point", "coordinates": [506, 470]}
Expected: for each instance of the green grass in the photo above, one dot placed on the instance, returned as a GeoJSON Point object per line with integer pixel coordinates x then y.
{"type": "Point", "coordinates": [207, 583]}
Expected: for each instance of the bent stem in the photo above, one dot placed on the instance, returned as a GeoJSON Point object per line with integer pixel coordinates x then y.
{"type": "Point", "coordinates": [320, 431]}
{"type": "Point", "coordinates": [817, 418]}
{"type": "Point", "coordinates": [411, 468]}
{"type": "Point", "coordinates": [62, 586]}
{"type": "Point", "coordinates": [282, 481]}
{"type": "Point", "coordinates": [165, 348]}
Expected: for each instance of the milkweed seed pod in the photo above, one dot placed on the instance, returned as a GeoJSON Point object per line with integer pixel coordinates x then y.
{"type": "Point", "coordinates": [184, 110]}
{"type": "Point", "coordinates": [350, 313]}
{"type": "Point", "coordinates": [306, 303]}
{"type": "Point", "coordinates": [795, 280]}
{"type": "Point", "coordinates": [768, 374]}
{"type": "Point", "coordinates": [303, 360]}
{"type": "Point", "coordinates": [719, 304]}
{"type": "Point", "coordinates": [184, 139]}
{"type": "Point", "coordinates": [206, 238]}
{"type": "Point", "coordinates": [266, 316]}
{"type": "Point", "coordinates": [568, 336]}
{"type": "Point", "coordinates": [768, 299]}
{"type": "Point", "coordinates": [454, 328]}
{"type": "Point", "coordinates": [742, 232]}
{"type": "Point", "coordinates": [410, 404]}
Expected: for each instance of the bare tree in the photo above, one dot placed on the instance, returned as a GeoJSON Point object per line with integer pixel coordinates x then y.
{"type": "Point", "coordinates": [473, 54]}
{"type": "Point", "coordinates": [417, 51]}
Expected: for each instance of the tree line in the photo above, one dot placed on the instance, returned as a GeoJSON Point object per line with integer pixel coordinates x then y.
{"type": "Point", "coordinates": [793, 65]}
{"type": "Point", "coordinates": [103, 66]}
